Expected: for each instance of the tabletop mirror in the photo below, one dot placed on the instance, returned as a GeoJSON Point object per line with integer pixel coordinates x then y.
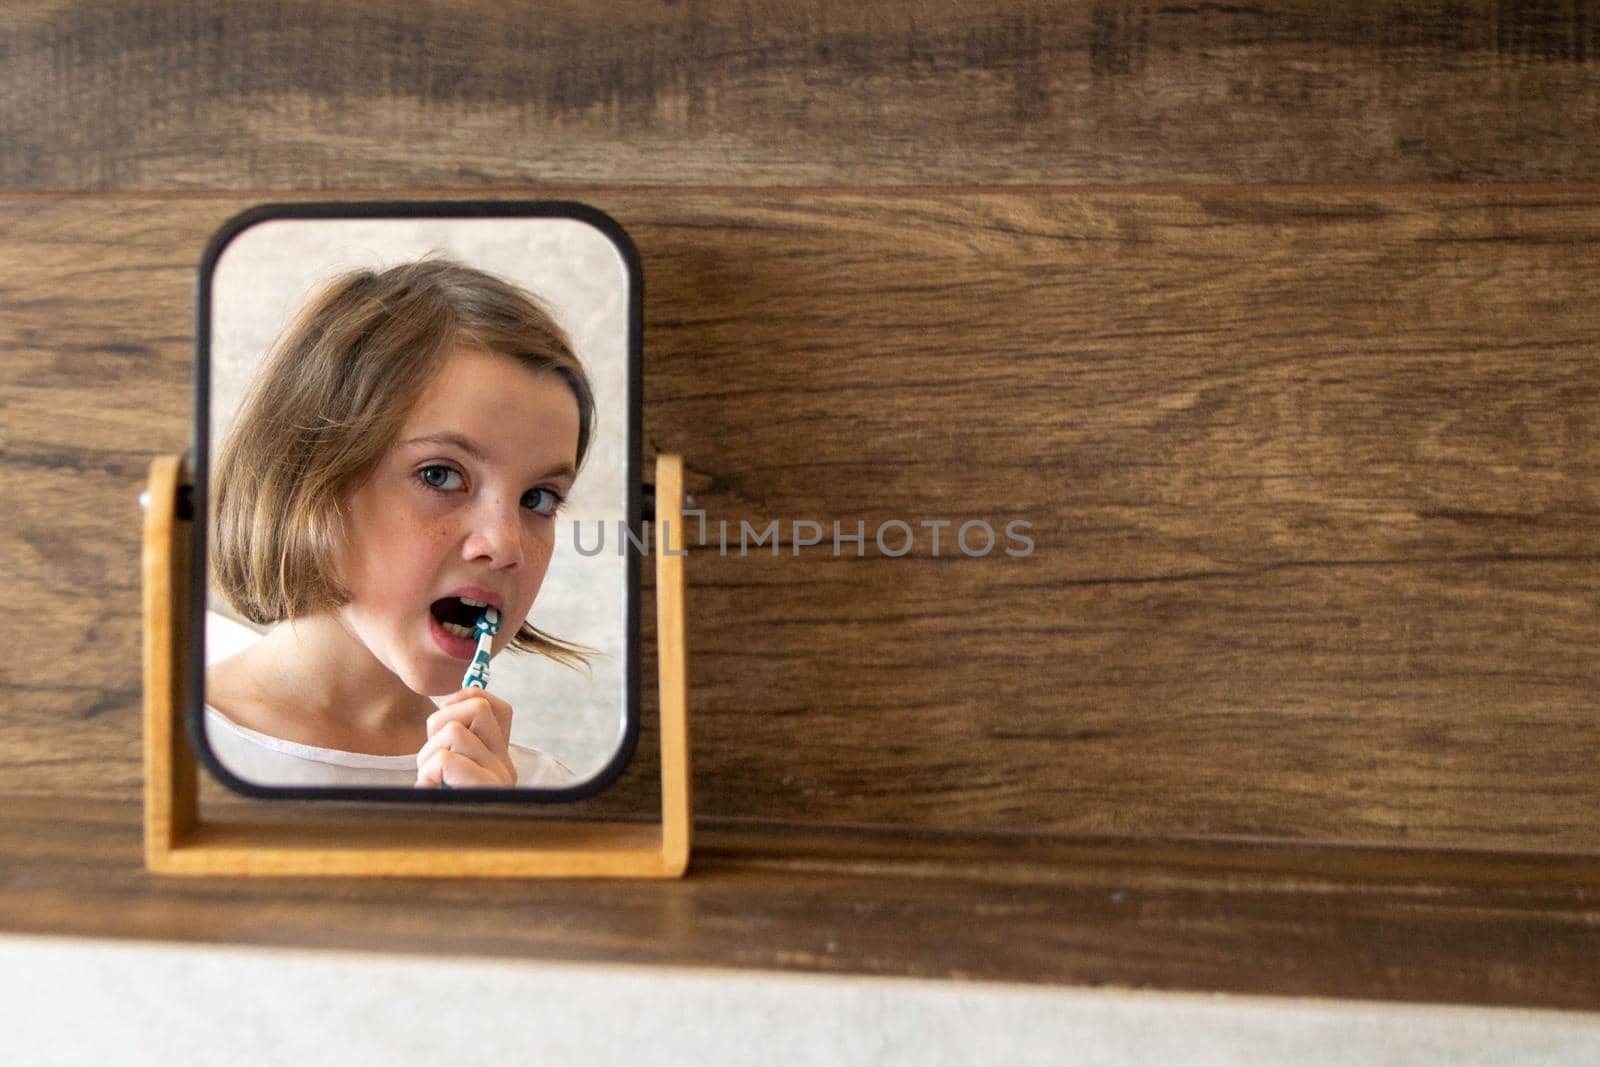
{"type": "Point", "coordinates": [416, 462]}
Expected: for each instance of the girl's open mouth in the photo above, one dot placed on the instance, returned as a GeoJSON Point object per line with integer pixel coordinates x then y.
{"type": "Point", "coordinates": [453, 621]}
{"type": "Point", "coordinates": [457, 616]}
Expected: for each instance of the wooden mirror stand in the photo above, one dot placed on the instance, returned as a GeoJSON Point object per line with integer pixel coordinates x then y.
{"type": "Point", "coordinates": [418, 843]}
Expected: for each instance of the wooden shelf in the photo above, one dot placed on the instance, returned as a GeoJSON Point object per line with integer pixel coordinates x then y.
{"type": "Point", "coordinates": [1479, 928]}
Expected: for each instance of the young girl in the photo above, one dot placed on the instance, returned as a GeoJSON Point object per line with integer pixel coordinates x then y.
{"type": "Point", "coordinates": [395, 469]}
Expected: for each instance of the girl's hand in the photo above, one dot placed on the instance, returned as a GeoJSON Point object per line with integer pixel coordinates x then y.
{"type": "Point", "coordinates": [468, 743]}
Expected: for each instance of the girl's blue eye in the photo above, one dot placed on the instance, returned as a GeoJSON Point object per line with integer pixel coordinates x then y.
{"type": "Point", "coordinates": [541, 501]}
{"type": "Point", "coordinates": [437, 476]}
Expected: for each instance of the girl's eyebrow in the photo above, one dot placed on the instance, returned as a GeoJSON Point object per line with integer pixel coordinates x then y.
{"type": "Point", "coordinates": [562, 470]}
{"type": "Point", "coordinates": [454, 439]}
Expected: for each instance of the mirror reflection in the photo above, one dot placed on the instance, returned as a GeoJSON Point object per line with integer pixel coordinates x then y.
{"type": "Point", "coordinates": [414, 423]}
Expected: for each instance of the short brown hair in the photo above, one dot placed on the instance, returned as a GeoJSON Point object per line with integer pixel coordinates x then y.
{"type": "Point", "coordinates": [333, 397]}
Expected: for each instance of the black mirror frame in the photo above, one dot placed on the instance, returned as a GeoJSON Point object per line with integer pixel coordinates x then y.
{"type": "Point", "coordinates": [200, 459]}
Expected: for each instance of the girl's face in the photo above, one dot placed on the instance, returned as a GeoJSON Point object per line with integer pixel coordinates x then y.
{"type": "Point", "coordinates": [461, 506]}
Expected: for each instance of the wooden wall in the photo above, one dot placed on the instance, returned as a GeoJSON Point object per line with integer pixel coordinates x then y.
{"type": "Point", "coordinates": [261, 98]}
{"type": "Point", "coordinates": [1277, 324]}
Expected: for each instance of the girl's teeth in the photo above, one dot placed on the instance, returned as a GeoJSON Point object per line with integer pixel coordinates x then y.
{"type": "Point", "coordinates": [473, 603]}
{"type": "Point", "coordinates": [455, 630]}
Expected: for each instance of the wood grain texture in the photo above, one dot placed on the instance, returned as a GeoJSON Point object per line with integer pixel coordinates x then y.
{"type": "Point", "coordinates": [309, 95]}
{"type": "Point", "coordinates": [1423, 927]}
{"type": "Point", "coordinates": [1311, 476]}
{"type": "Point", "coordinates": [1312, 480]}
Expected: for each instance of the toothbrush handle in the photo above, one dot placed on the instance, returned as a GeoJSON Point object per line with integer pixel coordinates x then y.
{"type": "Point", "coordinates": [477, 676]}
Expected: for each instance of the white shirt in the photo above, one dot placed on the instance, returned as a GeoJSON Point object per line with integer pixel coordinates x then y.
{"type": "Point", "coordinates": [262, 759]}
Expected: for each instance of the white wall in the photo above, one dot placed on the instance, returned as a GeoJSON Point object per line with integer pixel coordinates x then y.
{"type": "Point", "coordinates": [75, 1002]}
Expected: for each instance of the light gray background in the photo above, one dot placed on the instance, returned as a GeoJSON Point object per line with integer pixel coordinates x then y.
{"type": "Point", "coordinates": [266, 275]}
{"type": "Point", "coordinates": [68, 1002]}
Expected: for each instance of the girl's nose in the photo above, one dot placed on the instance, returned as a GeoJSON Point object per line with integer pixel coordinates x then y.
{"type": "Point", "coordinates": [496, 536]}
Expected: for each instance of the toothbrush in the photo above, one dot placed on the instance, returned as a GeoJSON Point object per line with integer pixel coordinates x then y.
{"type": "Point", "coordinates": [477, 676]}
